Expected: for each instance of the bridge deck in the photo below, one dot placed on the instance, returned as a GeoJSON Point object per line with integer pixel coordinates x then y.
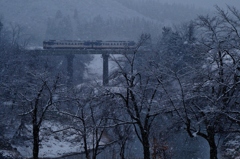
{"type": "Point", "coordinates": [78, 51]}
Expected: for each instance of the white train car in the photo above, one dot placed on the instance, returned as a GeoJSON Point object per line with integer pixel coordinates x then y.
{"type": "Point", "coordinates": [76, 44]}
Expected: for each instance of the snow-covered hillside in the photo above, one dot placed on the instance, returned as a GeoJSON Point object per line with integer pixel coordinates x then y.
{"type": "Point", "coordinates": [38, 10]}
{"type": "Point", "coordinates": [56, 141]}
{"type": "Point", "coordinates": [34, 15]}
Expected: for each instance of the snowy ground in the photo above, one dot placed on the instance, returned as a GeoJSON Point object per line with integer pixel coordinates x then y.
{"type": "Point", "coordinates": [54, 143]}
{"type": "Point", "coordinates": [9, 154]}
{"type": "Point", "coordinates": [231, 149]}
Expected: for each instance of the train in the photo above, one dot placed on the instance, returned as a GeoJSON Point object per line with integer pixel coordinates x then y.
{"type": "Point", "coordinates": [98, 44]}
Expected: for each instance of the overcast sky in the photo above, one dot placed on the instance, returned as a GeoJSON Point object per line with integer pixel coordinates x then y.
{"type": "Point", "coordinates": [206, 3]}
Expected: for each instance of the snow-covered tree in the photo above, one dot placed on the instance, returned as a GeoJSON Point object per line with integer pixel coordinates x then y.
{"type": "Point", "coordinates": [88, 112]}
{"type": "Point", "coordinates": [139, 96]}
{"type": "Point", "coordinates": [36, 101]}
{"type": "Point", "coordinates": [206, 98]}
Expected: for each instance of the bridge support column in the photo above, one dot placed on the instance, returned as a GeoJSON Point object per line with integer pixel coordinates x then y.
{"type": "Point", "coordinates": [105, 69]}
{"type": "Point", "coordinates": [70, 58]}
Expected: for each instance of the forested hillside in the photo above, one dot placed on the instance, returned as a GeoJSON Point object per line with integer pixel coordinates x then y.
{"type": "Point", "coordinates": [164, 12]}
{"type": "Point", "coordinates": [90, 19]}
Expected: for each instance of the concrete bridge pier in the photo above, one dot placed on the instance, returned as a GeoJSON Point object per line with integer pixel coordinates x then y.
{"type": "Point", "coordinates": [105, 69]}
{"type": "Point", "coordinates": [70, 58]}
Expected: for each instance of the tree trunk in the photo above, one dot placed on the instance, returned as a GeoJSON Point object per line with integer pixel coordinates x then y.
{"type": "Point", "coordinates": [122, 151]}
{"type": "Point", "coordinates": [211, 142]}
{"type": "Point", "coordinates": [35, 141]}
{"type": "Point", "coordinates": [35, 131]}
{"type": "Point", "coordinates": [213, 149]}
{"type": "Point", "coordinates": [146, 145]}
{"type": "Point", "coordinates": [85, 146]}
{"type": "Point", "coordinates": [87, 155]}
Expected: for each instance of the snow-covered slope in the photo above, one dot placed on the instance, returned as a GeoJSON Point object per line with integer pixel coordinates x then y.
{"type": "Point", "coordinates": [34, 14]}
{"type": "Point", "coordinates": [205, 3]}
{"type": "Point", "coordinates": [29, 10]}
{"type": "Point", "coordinates": [56, 141]}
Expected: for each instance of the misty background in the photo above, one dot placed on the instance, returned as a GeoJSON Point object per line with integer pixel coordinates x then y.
{"type": "Point", "coordinates": [166, 25]}
{"type": "Point", "coordinates": [100, 20]}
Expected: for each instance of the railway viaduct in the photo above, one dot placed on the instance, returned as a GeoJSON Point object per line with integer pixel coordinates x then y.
{"type": "Point", "coordinates": [70, 53]}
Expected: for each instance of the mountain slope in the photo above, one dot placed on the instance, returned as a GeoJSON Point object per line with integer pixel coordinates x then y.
{"type": "Point", "coordinates": [34, 15]}
{"type": "Point", "coordinates": [26, 10]}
